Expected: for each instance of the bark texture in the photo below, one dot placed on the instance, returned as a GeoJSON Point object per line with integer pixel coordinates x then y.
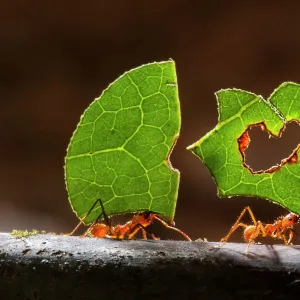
{"type": "Point", "coordinates": [58, 267]}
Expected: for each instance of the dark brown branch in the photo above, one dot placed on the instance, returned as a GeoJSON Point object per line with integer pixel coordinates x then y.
{"type": "Point", "coordinates": [58, 267]}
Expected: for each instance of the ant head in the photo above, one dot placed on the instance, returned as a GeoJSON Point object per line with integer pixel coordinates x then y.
{"type": "Point", "coordinates": [149, 214]}
{"type": "Point", "coordinates": [145, 214]}
{"type": "Point", "coordinates": [142, 216]}
{"type": "Point", "coordinates": [290, 220]}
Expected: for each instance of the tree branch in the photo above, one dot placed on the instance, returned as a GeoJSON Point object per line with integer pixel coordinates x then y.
{"type": "Point", "coordinates": [58, 267]}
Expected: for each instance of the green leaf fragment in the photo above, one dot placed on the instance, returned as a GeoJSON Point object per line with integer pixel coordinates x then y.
{"type": "Point", "coordinates": [220, 149]}
{"type": "Point", "coordinates": [119, 151]}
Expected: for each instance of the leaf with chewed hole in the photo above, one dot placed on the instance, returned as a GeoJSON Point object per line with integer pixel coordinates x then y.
{"type": "Point", "coordinates": [119, 152]}
{"type": "Point", "coordinates": [222, 150]}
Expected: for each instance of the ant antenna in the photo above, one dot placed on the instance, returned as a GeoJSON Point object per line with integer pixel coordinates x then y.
{"type": "Point", "coordinates": [171, 227]}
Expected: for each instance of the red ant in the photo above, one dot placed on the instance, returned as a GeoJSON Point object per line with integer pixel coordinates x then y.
{"type": "Point", "coordinates": [127, 231]}
{"type": "Point", "coordinates": [277, 230]}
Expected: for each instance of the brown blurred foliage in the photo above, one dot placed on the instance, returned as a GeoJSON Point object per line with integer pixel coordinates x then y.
{"type": "Point", "coordinates": [57, 56]}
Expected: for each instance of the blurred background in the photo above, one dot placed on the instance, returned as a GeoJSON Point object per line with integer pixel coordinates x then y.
{"type": "Point", "coordinates": [57, 56]}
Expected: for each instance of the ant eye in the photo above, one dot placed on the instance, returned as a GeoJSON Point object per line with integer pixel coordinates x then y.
{"type": "Point", "coordinates": [147, 214]}
{"type": "Point", "coordinates": [290, 219]}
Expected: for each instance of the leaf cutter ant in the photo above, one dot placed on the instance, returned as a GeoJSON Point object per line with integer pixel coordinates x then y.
{"type": "Point", "coordinates": [278, 230]}
{"type": "Point", "coordinates": [127, 231]}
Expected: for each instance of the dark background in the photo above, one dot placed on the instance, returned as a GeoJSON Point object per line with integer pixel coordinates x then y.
{"type": "Point", "coordinates": [57, 56]}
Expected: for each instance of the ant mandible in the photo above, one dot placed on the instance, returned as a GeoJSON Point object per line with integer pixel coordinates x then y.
{"type": "Point", "coordinates": [127, 231]}
{"type": "Point", "coordinates": [277, 230]}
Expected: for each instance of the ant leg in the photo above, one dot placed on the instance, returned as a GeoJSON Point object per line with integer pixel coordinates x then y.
{"type": "Point", "coordinates": [144, 233]}
{"type": "Point", "coordinates": [247, 248]}
{"type": "Point", "coordinates": [138, 227]}
{"type": "Point", "coordinates": [150, 233]}
{"type": "Point", "coordinates": [295, 232]}
{"type": "Point", "coordinates": [76, 228]}
{"type": "Point", "coordinates": [134, 231]}
{"type": "Point", "coordinates": [238, 224]}
{"type": "Point", "coordinates": [171, 227]}
{"type": "Point", "coordinates": [291, 235]}
{"type": "Point", "coordinates": [225, 239]}
{"type": "Point", "coordinates": [82, 220]}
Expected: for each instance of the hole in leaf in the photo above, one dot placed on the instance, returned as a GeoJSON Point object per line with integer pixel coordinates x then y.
{"type": "Point", "coordinates": [267, 153]}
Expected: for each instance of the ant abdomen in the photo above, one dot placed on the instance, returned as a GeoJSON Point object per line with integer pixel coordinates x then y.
{"type": "Point", "coordinates": [99, 230]}
{"type": "Point", "coordinates": [250, 234]}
